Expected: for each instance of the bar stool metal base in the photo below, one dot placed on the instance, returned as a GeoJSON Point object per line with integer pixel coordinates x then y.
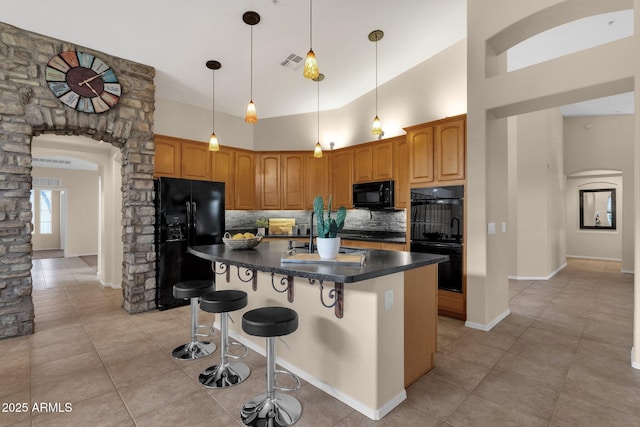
{"type": "Point", "coordinates": [279, 411]}
{"type": "Point", "coordinates": [224, 375]}
{"type": "Point", "coordinates": [193, 350]}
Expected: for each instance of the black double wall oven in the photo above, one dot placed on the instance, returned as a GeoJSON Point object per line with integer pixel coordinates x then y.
{"type": "Point", "coordinates": [437, 227]}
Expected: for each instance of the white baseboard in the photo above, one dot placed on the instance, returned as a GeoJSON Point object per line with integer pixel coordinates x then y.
{"type": "Point", "coordinates": [634, 364]}
{"type": "Point", "coordinates": [110, 285]}
{"type": "Point", "coordinates": [489, 325]}
{"type": "Point", "coordinates": [627, 271]}
{"type": "Point", "coordinates": [372, 413]}
{"type": "Point", "coordinates": [547, 277]}
{"type": "Point", "coordinates": [598, 258]}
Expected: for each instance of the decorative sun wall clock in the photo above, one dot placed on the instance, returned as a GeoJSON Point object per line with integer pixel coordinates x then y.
{"type": "Point", "coordinates": [82, 81]}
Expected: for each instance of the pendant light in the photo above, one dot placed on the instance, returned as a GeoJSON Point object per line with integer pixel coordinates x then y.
{"type": "Point", "coordinates": [251, 18]}
{"type": "Point", "coordinates": [213, 140]}
{"type": "Point", "coordinates": [317, 151]}
{"type": "Point", "coordinates": [376, 129]}
{"type": "Point", "coordinates": [310, 62]}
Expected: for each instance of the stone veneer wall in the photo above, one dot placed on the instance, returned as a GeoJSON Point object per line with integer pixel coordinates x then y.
{"type": "Point", "coordinates": [28, 108]}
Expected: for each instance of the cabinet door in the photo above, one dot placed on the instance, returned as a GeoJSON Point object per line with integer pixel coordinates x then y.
{"type": "Point", "coordinates": [222, 170]}
{"type": "Point", "coordinates": [401, 175]}
{"type": "Point", "coordinates": [362, 164]}
{"type": "Point", "coordinates": [269, 178]}
{"type": "Point", "coordinates": [450, 150]}
{"type": "Point", "coordinates": [342, 188]}
{"type": "Point", "coordinates": [293, 181]}
{"type": "Point", "coordinates": [245, 181]}
{"type": "Point", "coordinates": [316, 179]}
{"type": "Point", "coordinates": [196, 162]}
{"type": "Point", "coordinates": [167, 157]}
{"type": "Point", "coordinates": [382, 161]}
{"type": "Point", "coordinates": [421, 154]}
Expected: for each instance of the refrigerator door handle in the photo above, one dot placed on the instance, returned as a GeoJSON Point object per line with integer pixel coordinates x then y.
{"type": "Point", "coordinates": [194, 211]}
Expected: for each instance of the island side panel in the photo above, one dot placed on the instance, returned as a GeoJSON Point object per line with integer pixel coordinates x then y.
{"type": "Point", "coordinates": [420, 322]}
{"type": "Point", "coordinates": [357, 359]}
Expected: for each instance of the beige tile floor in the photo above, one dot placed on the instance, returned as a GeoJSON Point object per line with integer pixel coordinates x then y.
{"type": "Point", "coordinates": [560, 359]}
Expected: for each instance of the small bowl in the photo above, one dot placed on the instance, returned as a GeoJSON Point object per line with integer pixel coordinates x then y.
{"type": "Point", "coordinates": [241, 243]}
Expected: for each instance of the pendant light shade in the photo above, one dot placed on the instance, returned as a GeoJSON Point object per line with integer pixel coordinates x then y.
{"type": "Point", "coordinates": [317, 151]}
{"type": "Point", "coordinates": [251, 18]}
{"type": "Point", "coordinates": [376, 128]}
{"type": "Point", "coordinates": [213, 140]}
{"type": "Point", "coordinates": [310, 62]}
{"type": "Point", "coordinates": [252, 115]}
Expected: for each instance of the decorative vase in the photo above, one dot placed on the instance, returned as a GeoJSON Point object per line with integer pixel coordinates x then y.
{"type": "Point", "coordinates": [328, 247]}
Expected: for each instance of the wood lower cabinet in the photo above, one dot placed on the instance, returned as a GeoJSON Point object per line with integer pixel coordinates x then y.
{"type": "Point", "coordinates": [452, 304]}
{"type": "Point", "coordinates": [420, 322]}
{"type": "Point", "coordinates": [167, 156]}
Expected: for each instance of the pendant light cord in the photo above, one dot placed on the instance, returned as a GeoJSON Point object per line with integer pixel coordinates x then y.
{"type": "Point", "coordinates": [310, 24]}
{"type": "Point", "coordinates": [376, 77]}
{"type": "Point", "coordinates": [318, 110]}
{"type": "Point", "coordinates": [213, 102]}
{"type": "Point", "coordinates": [251, 64]}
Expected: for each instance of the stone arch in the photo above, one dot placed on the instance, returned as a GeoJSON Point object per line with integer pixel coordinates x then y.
{"type": "Point", "coordinates": [27, 109]}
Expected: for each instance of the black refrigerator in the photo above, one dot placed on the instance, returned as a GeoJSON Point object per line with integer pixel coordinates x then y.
{"type": "Point", "coordinates": [188, 213]}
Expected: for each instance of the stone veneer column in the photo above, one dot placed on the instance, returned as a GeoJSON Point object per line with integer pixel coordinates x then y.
{"type": "Point", "coordinates": [27, 109]}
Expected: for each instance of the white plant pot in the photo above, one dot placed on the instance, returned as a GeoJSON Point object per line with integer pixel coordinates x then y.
{"type": "Point", "coordinates": [328, 247]}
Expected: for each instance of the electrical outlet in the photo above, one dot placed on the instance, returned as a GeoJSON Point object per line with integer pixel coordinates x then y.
{"type": "Point", "coordinates": [388, 299]}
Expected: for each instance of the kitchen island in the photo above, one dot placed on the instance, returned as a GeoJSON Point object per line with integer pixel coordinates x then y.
{"type": "Point", "coordinates": [357, 333]}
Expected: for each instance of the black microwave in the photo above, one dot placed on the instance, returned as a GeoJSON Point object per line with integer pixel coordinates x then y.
{"type": "Point", "coordinates": [373, 195]}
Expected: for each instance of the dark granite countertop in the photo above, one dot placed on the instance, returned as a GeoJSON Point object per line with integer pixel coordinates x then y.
{"type": "Point", "coordinates": [368, 235]}
{"type": "Point", "coordinates": [266, 257]}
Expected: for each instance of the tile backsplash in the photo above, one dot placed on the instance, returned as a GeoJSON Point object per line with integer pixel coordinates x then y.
{"type": "Point", "coordinates": [357, 219]}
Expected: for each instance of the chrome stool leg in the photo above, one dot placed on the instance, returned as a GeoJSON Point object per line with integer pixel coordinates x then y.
{"type": "Point", "coordinates": [194, 349]}
{"type": "Point", "coordinates": [225, 374]}
{"type": "Point", "coordinates": [272, 408]}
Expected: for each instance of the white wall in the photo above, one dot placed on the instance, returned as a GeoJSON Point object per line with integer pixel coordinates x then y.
{"type": "Point", "coordinates": [606, 142]}
{"type": "Point", "coordinates": [186, 121]}
{"type": "Point", "coordinates": [432, 90]}
{"type": "Point", "coordinates": [600, 244]}
{"type": "Point", "coordinates": [537, 196]}
{"type": "Point", "coordinates": [82, 208]}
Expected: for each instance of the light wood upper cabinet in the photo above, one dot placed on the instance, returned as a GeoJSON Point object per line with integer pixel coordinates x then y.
{"type": "Point", "coordinates": [449, 149]}
{"type": "Point", "coordinates": [245, 180]}
{"type": "Point", "coordinates": [401, 172]}
{"type": "Point", "coordinates": [342, 188]}
{"type": "Point", "coordinates": [292, 166]}
{"type": "Point", "coordinates": [362, 163]}
{"type": "Point", "coordinates": [223, 170]}
{"type": "Point", "coordinates": [196, 161]}
{"type": "Point", "coordinates": [420, 139]}
{"type": "Point", "coordinates": [316, 178]}
{"type": "Point", "coordinates": [382, 160]}
{"type": "Point", "coordinates": [373, 162]}
{"type": "Point", "coordinates": [167, 156]}
{"type": "Point", "coordinates": [437, 151]}
{"type": "Point", "coordinates": [269, 180]}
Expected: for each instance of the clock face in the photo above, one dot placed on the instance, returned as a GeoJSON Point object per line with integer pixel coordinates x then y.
{"type": "Point", "coordinates": [82, 81]}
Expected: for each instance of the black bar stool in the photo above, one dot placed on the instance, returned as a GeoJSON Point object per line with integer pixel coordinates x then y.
{"type": "Point", "coordinates": [271, 409]}
{"type": "Point", "coordinates": [224, 374]}
{"type": "Point", "coordinates": [195, 349]}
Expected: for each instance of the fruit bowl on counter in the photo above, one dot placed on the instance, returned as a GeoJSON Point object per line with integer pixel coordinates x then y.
{"type": "Point", "coordinates": [242, 240]}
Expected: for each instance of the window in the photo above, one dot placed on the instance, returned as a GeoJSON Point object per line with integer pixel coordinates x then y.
{"type": "Point", "coordinates": [42, 217]}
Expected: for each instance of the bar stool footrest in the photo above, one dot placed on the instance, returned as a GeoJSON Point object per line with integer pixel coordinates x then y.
{"type": "Point", "coordinates": [292, 375]}
{"type": "Point", "coordinates": [242, 356]}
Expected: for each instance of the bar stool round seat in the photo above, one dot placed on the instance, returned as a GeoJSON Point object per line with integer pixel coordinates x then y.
{"type": "Point", "coordinates": [224, 374]}
{"type": "Point", "coordinates": [271, 408]}
{"type": "Point", "coordinates": [193, 290]}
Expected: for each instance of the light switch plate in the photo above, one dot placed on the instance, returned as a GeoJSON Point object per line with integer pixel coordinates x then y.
{"type": "Point", "coordinates": [491, 228]}
{"type": "Point", "coordinates": [388, 299]}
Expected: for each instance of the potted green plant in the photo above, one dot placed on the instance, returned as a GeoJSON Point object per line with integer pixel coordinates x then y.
{"type": "Point", "coordinates": [328, 242]}
{"type": "Point", "coordinates": [262, 224]}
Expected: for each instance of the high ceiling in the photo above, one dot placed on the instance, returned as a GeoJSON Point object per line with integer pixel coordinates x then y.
{"type": "Point", "coordinates": [177, 38]}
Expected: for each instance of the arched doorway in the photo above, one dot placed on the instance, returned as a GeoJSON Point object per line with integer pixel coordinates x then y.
{"type": "Point", "coordinates": [29, 109]}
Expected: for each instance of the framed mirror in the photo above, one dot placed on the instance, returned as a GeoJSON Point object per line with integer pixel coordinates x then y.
{"type": "Point", "coordinates": [598, 209]}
